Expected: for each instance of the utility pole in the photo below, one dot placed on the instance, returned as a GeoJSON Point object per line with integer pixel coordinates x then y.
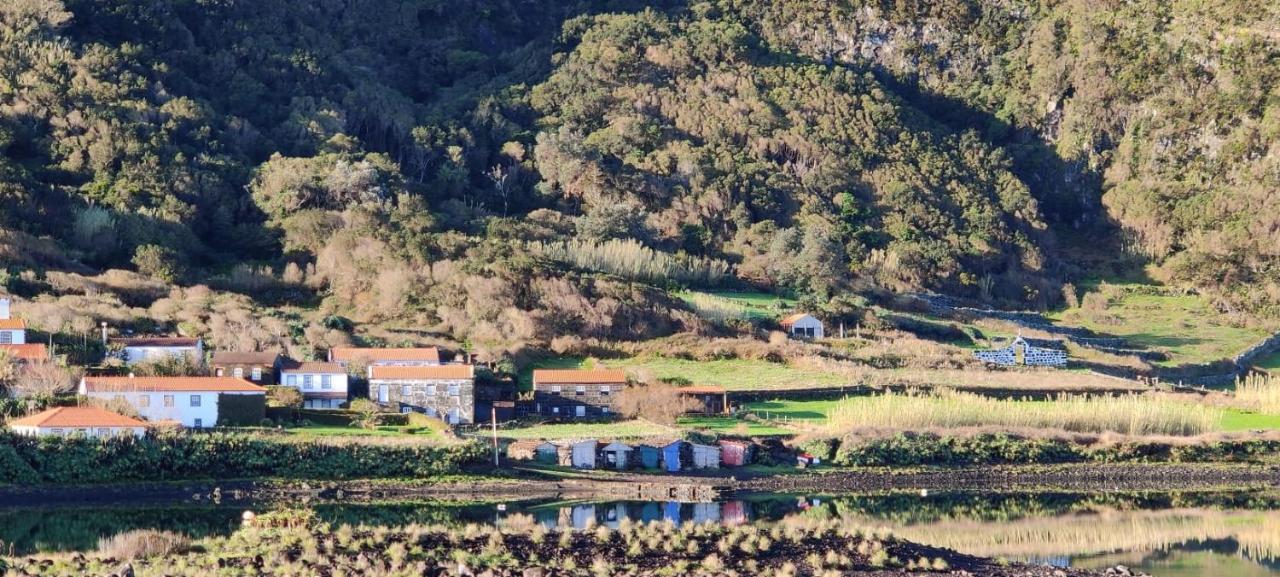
{"type": "Point", "coordinates": [493, 420]}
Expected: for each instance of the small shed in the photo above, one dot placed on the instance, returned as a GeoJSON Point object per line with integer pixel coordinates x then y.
{"type": "Point", "coordinates": [735, 453]}
{"type": "Point", "coordinates": [706, 456]}
{"type": "Point", "coordinates": [671, 456]}
{"type": "Point", "coordinates": [802, 325]}
{"type": "Point", "coordinates": [523, 450]}
{"type": "Point", "coordinates": [584, 454]}
{"type": "Point", "coordinates": [650, 456]}
{"type": "Point", "coordinates": [616, 455]}
{"type": "Point", "coordinates": [546, 452]}
{"type": "Point", "coordinates": [706, 400]}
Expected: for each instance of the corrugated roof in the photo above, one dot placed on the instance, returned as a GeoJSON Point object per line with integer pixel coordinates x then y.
{"type": "Point", "coordinates": [243, 358]}
{"type": "Point", "coordinates": [13, 324]}
{"type": "Point", "coordinates": [432, 372]}
{"type": "Point", "coordinates": [579, 377]}
{"type": "Point", "coordinates": [156, 341]}
{"type": "Point", "coordinates": [77, 417]}
{"type": "Point", "coordinates": [792, 319]}
{"type": "Point", "coordinates": [28, 352]}
{"type": "Point", "coordinates": [166, 384]}
{"type": "Point", "coordinates": [431, 354]}
{"type": "Point", "coordinates": [312, 367]}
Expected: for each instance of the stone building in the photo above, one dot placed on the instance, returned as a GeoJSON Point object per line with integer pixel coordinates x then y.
{"type": "Point", "coordinates": [1022, 351]}
{"type": "Point", "coordinates": [446, 392]}
{"type": "Point", "coordinates": [577, 393]}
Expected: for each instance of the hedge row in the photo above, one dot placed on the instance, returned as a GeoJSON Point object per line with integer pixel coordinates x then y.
{"type": "Point", "coordinates": [27, 460]}
{"type": "Point", "coordinates": [912, 449]}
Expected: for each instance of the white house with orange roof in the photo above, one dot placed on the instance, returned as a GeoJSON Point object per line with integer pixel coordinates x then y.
{"type": "Point", "coordinates": [401, 357]}
{"type": "Point", "coordinates": [13, 331]}
{"type": "Point", "coordinates": [802, 325]}
{"type": "Point", "coordinates": [323, 385]}
{"type": "Point", "coordinates": [85, 421]}
{"type": "Point", "coordinates": [192, 401]}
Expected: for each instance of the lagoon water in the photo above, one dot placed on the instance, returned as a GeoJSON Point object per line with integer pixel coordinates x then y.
{"type": "Point", "coordinates": [1165, 534]}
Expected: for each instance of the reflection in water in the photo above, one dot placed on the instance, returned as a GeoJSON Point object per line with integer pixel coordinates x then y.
{"type": "Point", "coordinates": [1164, 534]}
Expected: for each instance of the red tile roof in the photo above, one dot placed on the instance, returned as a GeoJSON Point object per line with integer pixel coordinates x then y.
{"type": "Point", "coordinates": [701, 390]}
{"type": "Point", "coordinates": [156, 341]}
{"type": "Point", "coordinates": [312, 367]}
{"type": "Point", "coordinates": [439, 372]}
{"type": "Point", "coordinates": [77, 417]}
{"type": "Point", "coordinates": [791, 320]}
{"type": "Point", "coordinates": [165, 384]}
{"type": "Point", "coordinates": [430, 354]}
{"type": "Point", "coordinates": [579, 377]}
{"type": "Point", "coordinates": [13, 325]}
{"type": "Point", "coordinates": [28, 352]}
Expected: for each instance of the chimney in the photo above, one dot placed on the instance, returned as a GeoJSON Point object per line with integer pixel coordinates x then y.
{"type": "Point", "coordinates": [131, 374]}
{"type": "Point", "coordinates": [104, 333]}
{"type": "Point", "coordinates": [4, 308]}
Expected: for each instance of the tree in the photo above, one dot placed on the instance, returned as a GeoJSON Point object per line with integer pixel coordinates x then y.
{"type": "Point", "coordinates": [43, 381]}
{"type": "Point", "coordinates": [659, 403]}
{"type": "Point", "coordinates": [282, 396]}
{"type": "Point", "coordinates": [158, 262]}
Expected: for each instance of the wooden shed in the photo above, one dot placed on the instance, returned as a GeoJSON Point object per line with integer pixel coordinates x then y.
{"type": "Point", "coordinates": [735, 453]}
{"type": "Point", "coordinates": [584, 454]}
{"type": "Point", "coordinates": [706, 400]}
{"type": "Point", "coordinates": [546, 452]}
{"type": "Point", "coordinates": [705, 456]}
{"type": "Point", "coordinates": [616, 455]}
{"type": "Point", "coordinates": [671, 456]}
{"type": "Point", "coordinates": [650, 456]}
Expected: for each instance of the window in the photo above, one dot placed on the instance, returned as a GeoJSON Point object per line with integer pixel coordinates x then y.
{"type": "Point", "coordinates": [580, 411]}
{"type": "Point", "coordinates": [195, 400]}
{"type": "Point", "coordinates": [555, 390]}
{"type": "Point", "coordinates": [306, 381]}
{"type": "Point", "coordinates": [406, 409]}
{"type": "Point", "coordinates": [256, 374]}
{"type": "Point", "coordinates": [199, 423]}
{"type": "Point", "coordinates": [144, 401]}
{"type": "Point", "coordinates": [326, 382]}
{"type": "Point", "coordinates": [6, 338]}
{"type": "Point", "coordinates": [291, 380]}
{"type": "Point", "coordinates": [431, 390]}
{"type": "Point", "coordinates": [455, 390]}
{"type": "Point", "coordinates": [406, 390]}
{"type": "Point", "coordinates": [238, 372]}
{"type": "Point", "coordinates": [580, 390]}
{"type": "Point", "coordinates": [56, 431]}
{"type": "Point", "coordinates": [555, 410]}
{"type": "Point", "coordinates": [604, 410]}
{"type": "Point", "coordinates": [104, 432]}
{"type": "Point", "coordinates": [430, 411]}
{"type": "Point", "coordinates": [604, 390]}
{"type": "Point", "coordinates": [168, 400]}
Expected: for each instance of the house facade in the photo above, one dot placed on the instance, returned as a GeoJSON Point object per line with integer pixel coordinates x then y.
{"type": "Point", "coordinates": [1024, 352]}
{"type": "Point", "coordinates": [323, 385]}
{"type": "Point", "coordinates": [13, 331]}
{"type": "Point", "coordinates": [84, 421]}
{"type": "Point", "coordinates": [258, 368]}
{"type": "Point", "coordinates": [802, 325]}
{"type": "Point", "coordinates": [194, 402]}
{"type": "Point", "coordinates": [401, 357]}
{"type": "Point", "coordinates": [446, 392]}
{"type": "Point", "coordinates": [577, 393]}
{"type": "Point", "coordinates": [135, 350]}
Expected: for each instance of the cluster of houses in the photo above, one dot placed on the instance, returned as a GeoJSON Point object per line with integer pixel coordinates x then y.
{"type": "Point", "coordinates": [667, 455]}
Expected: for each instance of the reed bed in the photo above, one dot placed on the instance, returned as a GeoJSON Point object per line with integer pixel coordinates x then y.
{"type": "Point", "coordinates": [1259, 393]}
{"type": "Point", "coordinates": [632, 260]}
{"type": "Point", "coordinates": [1128, 414]}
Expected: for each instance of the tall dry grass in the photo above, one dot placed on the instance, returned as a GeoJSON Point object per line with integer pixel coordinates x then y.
{"type": "Point", "coordinates": [1129, 414]}
{"type": "Point", "coordinates": [1259, 393]}
{"type": "Point", "coordinates": [630, 259]}
{"type": "Point", "coordinates": [142, 544]}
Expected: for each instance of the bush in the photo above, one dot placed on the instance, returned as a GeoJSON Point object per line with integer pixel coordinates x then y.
{"type": "Point", "coordinates": [28, 460]}
{"type": "Point", "coordinates": [241, 410]}
{"type": "Point", "coordinates": [142, 544]}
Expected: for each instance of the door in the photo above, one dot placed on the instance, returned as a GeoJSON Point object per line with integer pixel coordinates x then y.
{"type": "Point", "coordinates": [383, 394]}
{"type": "Point", "coordinates": [580, 411]}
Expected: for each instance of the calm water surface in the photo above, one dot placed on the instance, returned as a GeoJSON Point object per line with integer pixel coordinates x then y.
{"type": "Point", "coordinates": [1164, 534]}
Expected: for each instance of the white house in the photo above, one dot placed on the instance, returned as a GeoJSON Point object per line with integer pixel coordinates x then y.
{"type": "Point", "coordinates": [192, 401]}
{"type": "Point", "coordinates": [151, 349]}
{"type": "Point", "coordinates": [403, 357]}
{"type": "Point", "coordinates": [446, 391]}
{"type": "Point", "coordinates": [13, 331]}
{"type": "Point", "coordinates": [323, 385]}
{"type": "Point", "coordinates": [1022, 352]}
{"type": "Point", "coordinates": [803, 325]}
{"type": "Point", "coordinates": [85, 421]}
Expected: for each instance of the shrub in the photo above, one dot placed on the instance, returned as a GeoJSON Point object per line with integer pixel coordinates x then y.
{"type": "Point", "coordinates": [142, 544]}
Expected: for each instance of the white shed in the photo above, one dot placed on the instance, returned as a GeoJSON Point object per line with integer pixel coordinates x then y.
{"type": "Point", "coordinates": [803, 325]}
{"type": "Point", "coordinates": [584, 454]}
{"type": "Point", "coordinates": [705, 456]}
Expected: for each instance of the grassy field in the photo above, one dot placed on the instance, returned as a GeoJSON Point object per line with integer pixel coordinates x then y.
{"type": "Point", "coordinates": [793, 410]}
{"type": "Point", "coordinates": [732, 426]}
{"type": "Point", "coordinates": [1234, 420]}
{"type": "Point", "coordinates": [725, 305]}
{"type": "Point", "coordinates": [732, 374]}
{"type": "Point", "coordinates": [1187, 327]}
{"type": "Point", "coordinates": [332, 431]}
{"type": "Point", "coordinates": [619, 430]}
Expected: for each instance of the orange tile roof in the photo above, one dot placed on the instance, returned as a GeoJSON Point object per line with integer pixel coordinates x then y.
{"type": "Point", "coordinates": [791, 320]}
{"type": "Point", "coordinates": [433, 372]}
{"type": "Point", "coordinates": [408, 354]}
{"type": "Point", "coordinates": [312, 367]}
{"type": "Point", "coordinates": [13, 325]}
{"type": "Point", "coordinates": [156, 341]}
{"type": "Point", "coordinates": [701, 390]}
{"type": "Point", "coordinates": [182, 384]}
{"type": "Point", "coordinates": [579, 376]}
{"type": "Point", "coordinates": [28, 352]}
{"type": "Point", "coordinates": [77, 417]}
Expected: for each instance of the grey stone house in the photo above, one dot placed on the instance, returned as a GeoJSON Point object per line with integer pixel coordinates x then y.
{"type": "Point", "coordinates": [577, 393]}
{"type": "Point", "coordinates": [446, 392]}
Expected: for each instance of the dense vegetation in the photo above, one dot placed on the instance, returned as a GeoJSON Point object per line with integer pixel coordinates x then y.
{"type": "Point", "coordinates": [471, 166]}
